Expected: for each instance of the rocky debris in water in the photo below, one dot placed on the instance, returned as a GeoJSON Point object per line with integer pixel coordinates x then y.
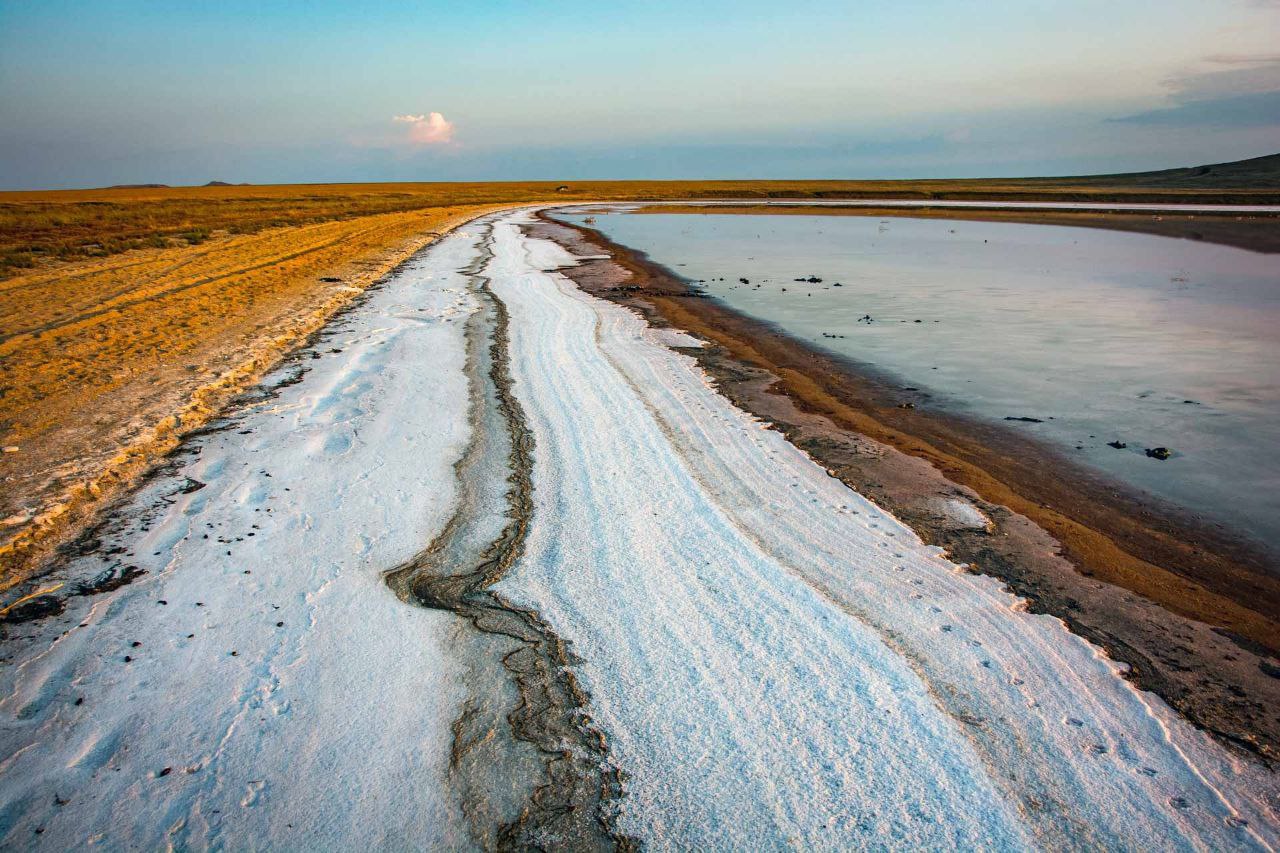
{"type": "Point", "coordinates": [1161, 453]}
{"type": "Point", "coordinates": [1118, 445]}
{"type": "Point", "coordinates": [837, 284]}
{"type": "Point", "coordinates": [813, 279]}
{"type": "Point", "coordinates": [831, 335]}
{"type": "Point", "coordinates": [865, 318]}
{"type": "Point", "coordinates": [906, 405]}
{"type": "Point", "coordinates": [744, 281]}
{"type": "Point", "coordinates": [1025, 420]}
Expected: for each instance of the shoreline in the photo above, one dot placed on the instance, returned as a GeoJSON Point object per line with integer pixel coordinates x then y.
{"type": "Point", "coordinates": [1200, 634]}
{"type": "Point", "coordinates": [1255, 232]}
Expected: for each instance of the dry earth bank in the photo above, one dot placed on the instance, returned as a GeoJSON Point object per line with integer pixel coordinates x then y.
{"type": "Point", "coordinates": [105, 364]}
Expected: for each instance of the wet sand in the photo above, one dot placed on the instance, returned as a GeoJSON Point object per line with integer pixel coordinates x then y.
{"type": "Point", "coordinates": [1191, 610]}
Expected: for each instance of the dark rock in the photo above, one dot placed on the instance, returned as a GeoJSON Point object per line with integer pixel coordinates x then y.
{"type": "Point", "coordinates": [1025, 420]}
{"type": "Point", "coordinates": [1118, 445]}
{"type": "Point", "coordinates": [1161, 453]}
{"type": "Point", "coordinates": [109, 580]}
{"type": "Point", "coordinates": [36, 608]}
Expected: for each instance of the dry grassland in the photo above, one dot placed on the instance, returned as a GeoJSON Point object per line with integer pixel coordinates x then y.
{"type": "Point", "coordinates": [106, 363]}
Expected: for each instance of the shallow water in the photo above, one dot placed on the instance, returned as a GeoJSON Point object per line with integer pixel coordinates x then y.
{"type": "Point", "coordinates": [1102, 336]}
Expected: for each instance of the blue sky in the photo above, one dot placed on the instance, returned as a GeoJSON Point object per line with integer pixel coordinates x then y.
{"type": "Point", "coordinates": [127, 91]}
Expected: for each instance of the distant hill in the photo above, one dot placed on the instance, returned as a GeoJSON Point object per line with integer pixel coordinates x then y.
{"type": "Point", "coordinates": [138, 187]}
{"type": "Point", "coordinates": [1254, 173]}
{"type": "Point", "coordinates": [225, 184]}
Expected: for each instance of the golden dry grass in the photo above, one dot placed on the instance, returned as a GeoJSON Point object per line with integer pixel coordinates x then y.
{"type": "Point", "coordinates": [105, 363]}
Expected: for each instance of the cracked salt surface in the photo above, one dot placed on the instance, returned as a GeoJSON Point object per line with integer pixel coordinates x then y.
{"type": "Point", "coordinates": [778, 663]}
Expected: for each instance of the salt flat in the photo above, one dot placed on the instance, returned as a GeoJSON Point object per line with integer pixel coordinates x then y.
{"type": "Point", "coordinates": [278, 696]}
{"type": "Point", "coordinates": [772, 660]}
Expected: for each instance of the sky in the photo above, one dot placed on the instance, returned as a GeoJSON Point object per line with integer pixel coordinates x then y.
{"type": "Point", "coordinates": [134, 91]}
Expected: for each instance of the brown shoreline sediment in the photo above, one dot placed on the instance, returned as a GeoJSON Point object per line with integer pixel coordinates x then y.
{"type": "Point", "coordinates": [1257, 232]}
{"type": "Point", "coordinates": [1191, 610]}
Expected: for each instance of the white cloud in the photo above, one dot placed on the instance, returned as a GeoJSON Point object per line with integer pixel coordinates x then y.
{"type": "Point", "coordinates": [429, 129]}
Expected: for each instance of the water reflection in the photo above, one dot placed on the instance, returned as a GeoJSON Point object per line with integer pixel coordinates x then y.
{"type": "Point", "coordinates": [1101, 336]}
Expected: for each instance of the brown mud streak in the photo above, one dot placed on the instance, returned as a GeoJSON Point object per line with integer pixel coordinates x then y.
{"type": "Point", "coordinates": [573, 807]}
{"type": "Point", "coordinates": [1202, 626]}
